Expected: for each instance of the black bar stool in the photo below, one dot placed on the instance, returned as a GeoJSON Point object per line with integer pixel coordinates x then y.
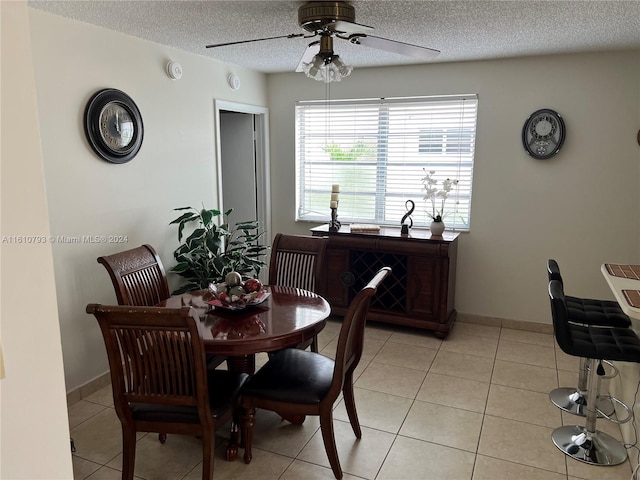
{"type": "Point", "coordinates": [586, 443]}
{"type": "Point", "coordinates": [586, 311]}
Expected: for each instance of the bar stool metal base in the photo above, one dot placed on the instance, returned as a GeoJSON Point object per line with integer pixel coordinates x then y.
{"type": "Point", "coordinates": [597, 449]}
{"type": "Point", "coordinates": [571, 400]}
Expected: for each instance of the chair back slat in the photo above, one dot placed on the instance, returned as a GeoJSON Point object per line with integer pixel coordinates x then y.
{"type": "Point", "coordinates": [138, 276]}
{"type": "Point", "coordinates": [296, 261]}
{"type": "Point", "coordinates": [296, 270]}
{"type": "Point", "coordinates": [351, 338]}
{"type": "Point", "coordinates": [157, 366]}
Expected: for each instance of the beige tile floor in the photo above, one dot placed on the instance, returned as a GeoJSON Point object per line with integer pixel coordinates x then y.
{"type": "Point", "coordinates": [471, 407]}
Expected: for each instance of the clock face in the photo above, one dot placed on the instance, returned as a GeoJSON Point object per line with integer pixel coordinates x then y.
{"type": "Point", "coordinates": [113, 125]}
{"type": "Point", "coordinates": [543, 134]}
{"type": "Point", "coordinates": [116, 126]}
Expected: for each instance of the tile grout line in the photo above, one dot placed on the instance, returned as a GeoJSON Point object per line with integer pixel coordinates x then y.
{"type": "Point", "coordinates": [486, 403]}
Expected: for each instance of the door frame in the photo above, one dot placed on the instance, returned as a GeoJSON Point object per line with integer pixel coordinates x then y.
{"type": "Point", "coordinates": [263, 187]}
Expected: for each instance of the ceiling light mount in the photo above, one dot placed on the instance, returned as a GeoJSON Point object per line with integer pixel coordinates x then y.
{"type": "Point", "coordinates": [315, 16]}
{"type": "Point", "coordinates": [326, 48]}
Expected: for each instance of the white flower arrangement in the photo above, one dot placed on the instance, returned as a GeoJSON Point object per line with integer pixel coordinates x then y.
{"type": "Point", "coordinates": [435, 195]}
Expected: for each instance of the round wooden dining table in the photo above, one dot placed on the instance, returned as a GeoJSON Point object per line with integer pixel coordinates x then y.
{"type": "Point", "coordinates": [288, 317]}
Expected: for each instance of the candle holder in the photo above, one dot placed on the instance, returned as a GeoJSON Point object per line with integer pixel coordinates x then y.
{"type": "Point", "coordinates": [334, 224]}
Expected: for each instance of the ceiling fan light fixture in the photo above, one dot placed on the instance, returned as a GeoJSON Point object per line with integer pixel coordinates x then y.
{"type": "Point", "coordinates": [344, 70]}
{"type": "Point", "coordinates": [314, 68]}
{"type": "Point", "coordinates": [327, 69]}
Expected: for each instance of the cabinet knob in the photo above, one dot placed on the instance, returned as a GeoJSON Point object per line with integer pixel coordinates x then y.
{"type": "Point", "coordinates": [347, 278]}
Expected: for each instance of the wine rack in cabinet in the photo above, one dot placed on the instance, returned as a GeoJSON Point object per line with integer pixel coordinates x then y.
{"type": "Point", "coordinates": [420, 292]}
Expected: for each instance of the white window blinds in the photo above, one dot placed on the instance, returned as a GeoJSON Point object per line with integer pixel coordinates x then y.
{"type": "Point", "coordinates": [378, 150]}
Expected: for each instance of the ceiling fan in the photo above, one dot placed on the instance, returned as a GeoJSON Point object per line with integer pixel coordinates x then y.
{"type": "Point", "coordinates": [329, 20]}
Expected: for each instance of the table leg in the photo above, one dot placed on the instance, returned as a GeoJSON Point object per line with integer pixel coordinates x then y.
{"type": "Point", "coordinates": [242, 364]}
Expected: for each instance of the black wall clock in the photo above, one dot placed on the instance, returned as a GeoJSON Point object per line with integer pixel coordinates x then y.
{"type": "Point", "coordinates": [543, 133]}
{"type": "Point", "coordinates": [113, 125]}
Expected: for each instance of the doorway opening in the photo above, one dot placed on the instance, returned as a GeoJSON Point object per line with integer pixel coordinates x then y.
{"type": "Point", "coordinates": [242, 170]}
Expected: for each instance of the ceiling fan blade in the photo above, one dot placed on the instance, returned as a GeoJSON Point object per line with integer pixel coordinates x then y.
{"type": "Point", "coordinates": [291, 35]}
{"type": "Point", "coordinates": [342, 27]}
{"type": "Point", "coordinates": [307, 57]}
{"type": "Point", "coordinates": [394, 46]}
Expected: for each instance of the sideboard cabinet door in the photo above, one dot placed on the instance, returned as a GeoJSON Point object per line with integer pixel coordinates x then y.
{"type": "Point", "coordinates": [423, 287]}
{"type": "Point", "coordinates": [338, 277]}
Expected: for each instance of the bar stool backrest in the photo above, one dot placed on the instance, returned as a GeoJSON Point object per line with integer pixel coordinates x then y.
{"type": "Point", "coordinates": [560, 316]}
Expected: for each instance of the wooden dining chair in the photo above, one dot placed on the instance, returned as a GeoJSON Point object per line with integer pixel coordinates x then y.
{"type": "Point", "coordinates": [297, 261]}
{"type": "Point", "coordinates": [298, 382]}
{"type": "Point", "coordinates": [139, 279]}
{"type": "Point", "coordinates": [138, 276]}
{"type": "Point", "coordinates": [160, 379]}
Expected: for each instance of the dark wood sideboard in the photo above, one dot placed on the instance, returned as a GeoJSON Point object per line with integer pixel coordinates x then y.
{"type": "Point", "coordinates": [420, 291]}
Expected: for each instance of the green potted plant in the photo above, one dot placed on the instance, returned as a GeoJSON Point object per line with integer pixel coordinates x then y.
{"type": "Point", "coordinates": [215, 249]}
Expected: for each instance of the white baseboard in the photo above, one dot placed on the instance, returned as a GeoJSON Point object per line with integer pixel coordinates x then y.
{"type": "Point", "coordinates": [88, 388]}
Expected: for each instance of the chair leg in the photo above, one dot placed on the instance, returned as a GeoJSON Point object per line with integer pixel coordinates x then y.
{"type": "Point", "coordinates": [350, 404]}
{"type": "Point", "coordinates": [329, 439]}
{"type": "Point", "coordinates": [586, 444]}
{"type": "Point", "coordinates": [128, 452]}
{"type": "Point", "coordinates": [232, 446]}
{"type": "Point", "coordinates": [247, 422]}
{"type": "Point", "coordinates": [208, 454]}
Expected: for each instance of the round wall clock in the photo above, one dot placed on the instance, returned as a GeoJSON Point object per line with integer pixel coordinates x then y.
{"type": "Point", "coordinates": [113, 125]}
{"type": "Point", "coordinates": [543, 134]}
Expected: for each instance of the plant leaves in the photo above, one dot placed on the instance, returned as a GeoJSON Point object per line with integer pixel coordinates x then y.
{"type": "Point", "coordinates": [189, 287]}
{"type": "Point", "coordinates": [207, 216]}
{"type": "Point", "coordinates": [211, 251]}
{"type": "Point", "coordinates": [180, 267]}
{"type": "Point", "coordinates": [184, 217]}
{"type": "Point", "coordinates": [197, 234]}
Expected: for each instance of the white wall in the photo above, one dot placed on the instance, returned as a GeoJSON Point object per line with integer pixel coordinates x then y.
{"type": "Point", "coordinates": [580, 207]}
{"type": "Point", "coordinates": [175, 167]}
{"type": "Point", "coordinates": [35, 432]}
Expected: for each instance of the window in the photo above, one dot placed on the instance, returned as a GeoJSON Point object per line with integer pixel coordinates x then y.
{"type": "Point", "coordinates": [447, 140]}
{"type": "Point", "coordinates": [377, 151]}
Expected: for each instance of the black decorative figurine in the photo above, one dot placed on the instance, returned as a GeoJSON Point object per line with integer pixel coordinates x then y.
{"type": "Point", "coordinates": [410, 209]}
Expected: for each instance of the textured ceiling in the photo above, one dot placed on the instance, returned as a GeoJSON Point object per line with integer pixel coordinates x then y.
{"type": "Point", "coordinates": [461, 30]}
